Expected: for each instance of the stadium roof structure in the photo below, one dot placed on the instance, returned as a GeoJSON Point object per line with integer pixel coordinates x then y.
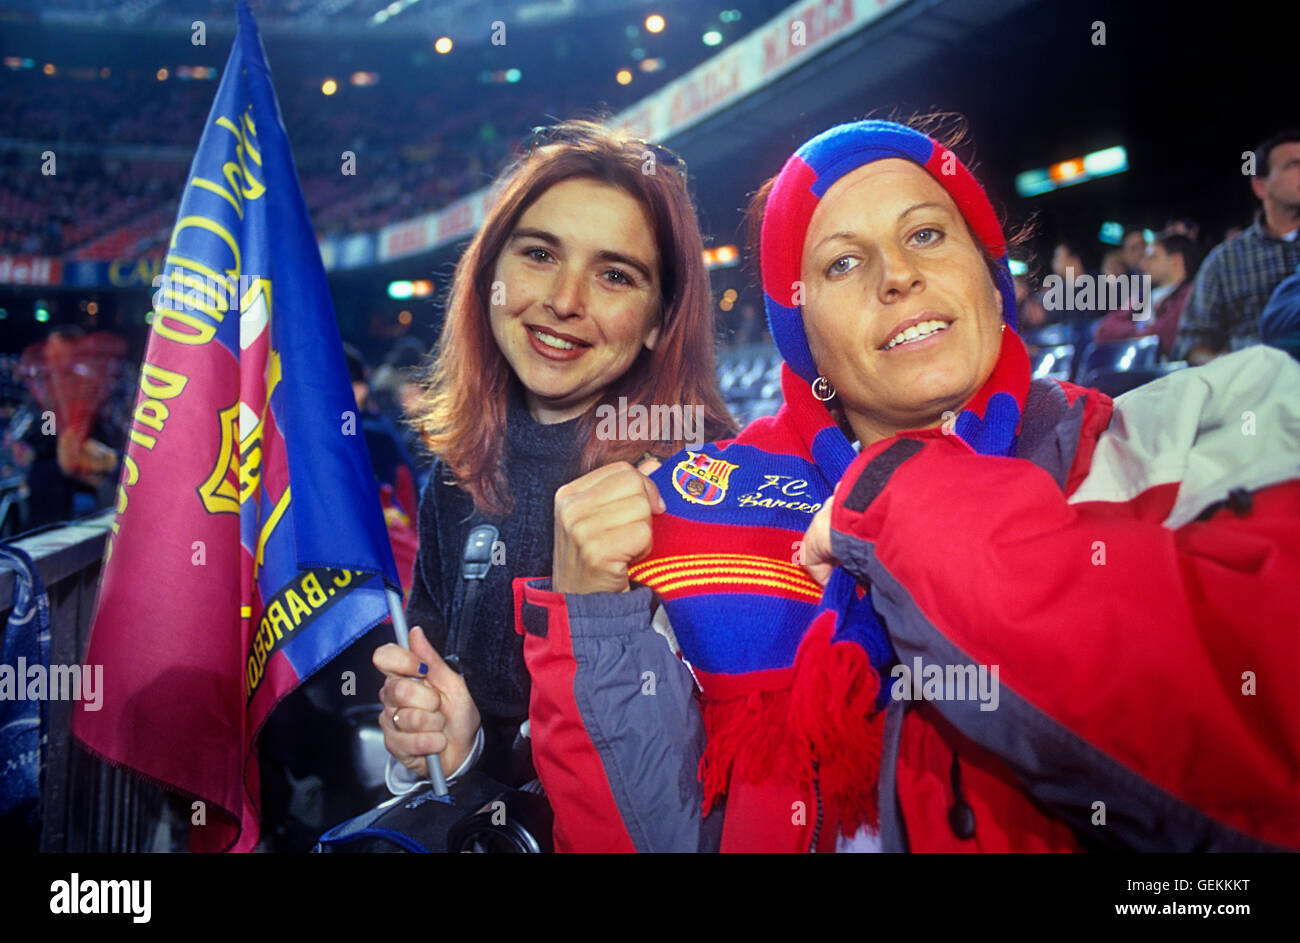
{"type": "Point", "coordinates": [466, 20]}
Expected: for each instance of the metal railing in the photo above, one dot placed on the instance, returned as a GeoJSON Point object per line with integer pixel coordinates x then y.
{"type": "Point", "coordinates": [87, 805]}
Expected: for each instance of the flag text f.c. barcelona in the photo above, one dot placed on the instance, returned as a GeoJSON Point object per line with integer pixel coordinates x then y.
{"type": "Point", "coordinates": [249, 545]}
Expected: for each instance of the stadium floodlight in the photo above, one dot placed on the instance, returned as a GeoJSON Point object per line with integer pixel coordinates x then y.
{"type": "Point", "coordinates": [712, 38]}
{"type": "Point", "coordinates": [1067, 173]}
{"type": "Point", "coordinates": [400, 290]}
{"type": "Point", "coordinates": [1112, 233]}
{"type": "Point", "coordinates": [42, 312]}
{"type": "Point", "coordinates": [1112, 160]}
{"type": "Point", "coordinates": [513, 75]}
{"type": "Point", "coordinates": [654, 23]}
{"type": "Point", "coordinates": [623, 77]}
{"type": "Point", "coordinates": [721, 257]}
{"type": "Point", "coordinates": [443, 45]}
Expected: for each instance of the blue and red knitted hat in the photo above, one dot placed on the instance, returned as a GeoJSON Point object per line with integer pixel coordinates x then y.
{"type": "Point", "coordinates": [804, 180]}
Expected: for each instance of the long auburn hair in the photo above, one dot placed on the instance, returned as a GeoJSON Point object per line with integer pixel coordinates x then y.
{"type": "Point", "coordinates": [461, 410]}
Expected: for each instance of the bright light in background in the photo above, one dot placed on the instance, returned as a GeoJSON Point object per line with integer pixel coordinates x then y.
{"type": "Point", "coordinates": [1067, 173]}
{"type": "Point", "coordinates": [92, 309]}
{"type": "Point", "coordinates": [721, 257]}
{"type": "Point", "coordinates": [651, 65]}
{"type": "Point", "coordinates": [103, 73]}
{"type": "Point", "coordinates": [1018, 267]}
{"type": "Point", "coordinates": [329, 87]}
{"type": "Point", "coordinates": [654, 23]}
{"type": "Point", "coordinates": [624, 77]}
{"type": "Point", "coordinates": [390, 11]}
{"type": "Point", "coordinates": [42, 312]}
{"type": "Point", "coordinates": [729, 16]}
{"type": "Point", "coordinates": [443, 45]}
{"type": "Point", "coordinates": [162, 75]}
{"type": "Point", "coordinates": [49, 69]}
{"type": "Point", "coordinates": [403, 289]}
{"type": "Point", "coordinates": [1112, 160]}
{"type": "Point", "coordinates": [513, 75]}
{"type": "Point", "coordinates": [712, 38]}
{"type": "Point", "coordinates": [364, 78]}
{"type": "Point", "coordinates": [404, 318]}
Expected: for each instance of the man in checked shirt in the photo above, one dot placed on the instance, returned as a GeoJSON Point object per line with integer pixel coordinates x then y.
{"type": "Point", "coordinates": [1238, 276]}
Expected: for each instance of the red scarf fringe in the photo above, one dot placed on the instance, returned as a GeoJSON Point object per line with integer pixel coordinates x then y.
{"type": "Point", "coordinates": [824, 720]}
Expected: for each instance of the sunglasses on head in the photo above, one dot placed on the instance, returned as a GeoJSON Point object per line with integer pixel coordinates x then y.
{"type": "Point", "coordinates": [566, 134]}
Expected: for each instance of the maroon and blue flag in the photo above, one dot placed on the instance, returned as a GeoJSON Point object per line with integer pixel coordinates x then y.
{"type": "Point", "coordinates": [249, 545]}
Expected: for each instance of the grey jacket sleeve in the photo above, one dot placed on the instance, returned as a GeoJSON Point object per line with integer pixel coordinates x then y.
{"type": "Point", "coordinates": [617, 734]}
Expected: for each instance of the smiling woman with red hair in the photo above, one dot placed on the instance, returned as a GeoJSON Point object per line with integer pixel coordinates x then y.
{"type": "Point", "coordinates": [585, 286]}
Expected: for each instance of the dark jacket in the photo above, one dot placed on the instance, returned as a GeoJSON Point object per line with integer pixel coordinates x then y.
{"type": "Point", "coordinates": [539, 459]}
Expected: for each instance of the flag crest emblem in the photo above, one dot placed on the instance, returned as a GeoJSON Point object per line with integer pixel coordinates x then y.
{"type": "Point", "coordinates": [702, 479]}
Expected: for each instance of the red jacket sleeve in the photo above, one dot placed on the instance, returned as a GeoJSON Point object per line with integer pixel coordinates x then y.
{"type": "Point", "coordinates": [616, 734]}
{"type": "Point", "coordinates": [1151, 669]}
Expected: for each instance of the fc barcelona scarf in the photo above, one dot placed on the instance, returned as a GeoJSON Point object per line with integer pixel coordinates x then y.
{"type": "Point", "coordinates": [791, 673]}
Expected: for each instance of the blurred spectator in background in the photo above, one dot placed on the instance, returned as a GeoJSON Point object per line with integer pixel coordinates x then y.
{"type": "Point", "coordinates": [392, 465]}
{"type": "Point", "coordinates": [751, 327]}
{"type": "Point", "coordinates": [1172, 262]}
{"type": "Point", "coordinates": [1279, 324]}
{"type": "Point", "coordinates": [395, 385]}
{"type": "Point", "coordinates": [1240, 274]}
{"type": "Point", "coordinates": [1029, 304]}
{"type": "Point", "coordinates": [1134, 250]}
{"type": "Point", "coordinates": [1182, 226]}
{"type": "Point", "coordinates": [78, 429]}
{"type": "Point", "coordinates": [1112, 263]}
{"type": "Point", "coordinates": [1071, 266]}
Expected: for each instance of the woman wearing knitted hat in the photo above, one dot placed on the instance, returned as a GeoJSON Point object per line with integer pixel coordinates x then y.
{"type": "Point", "coordinates": [1043, 632]}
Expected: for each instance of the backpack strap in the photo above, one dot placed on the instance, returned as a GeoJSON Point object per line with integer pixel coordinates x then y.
{"type": "Point", "coordinates": [475, 563]}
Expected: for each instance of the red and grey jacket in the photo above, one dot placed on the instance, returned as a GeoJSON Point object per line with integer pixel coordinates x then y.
{"type": "Point", "coordinates": [1127, 583]}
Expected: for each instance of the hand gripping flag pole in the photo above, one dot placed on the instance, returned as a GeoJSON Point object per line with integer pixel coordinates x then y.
{"type": "Point", "coordinates": [404, 640]}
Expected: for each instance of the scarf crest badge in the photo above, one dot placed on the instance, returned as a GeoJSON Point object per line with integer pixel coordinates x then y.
{"type": "Point", "coordinates": [702, 479]}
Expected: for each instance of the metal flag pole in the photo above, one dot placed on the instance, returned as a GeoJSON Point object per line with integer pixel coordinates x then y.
{"type": "Point", "coordinates": [404, 640]}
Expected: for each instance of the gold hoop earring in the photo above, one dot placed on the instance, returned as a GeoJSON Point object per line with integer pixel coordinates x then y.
{"type": "Point", "coordinates": [822, 389]}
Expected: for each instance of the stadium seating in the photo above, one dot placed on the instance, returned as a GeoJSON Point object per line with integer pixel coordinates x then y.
{"type": "Point", "coordinates": [1117, 357]}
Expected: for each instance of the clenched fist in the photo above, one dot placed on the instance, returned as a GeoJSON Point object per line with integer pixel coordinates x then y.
{"type": "Point", "coordinates": [602, 526]}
